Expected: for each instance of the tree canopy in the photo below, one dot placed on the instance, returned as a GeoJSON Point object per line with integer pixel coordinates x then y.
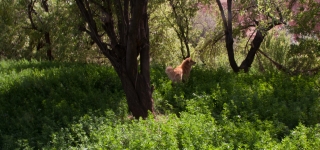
{"type": "Point", "coordinates": [54, 29]}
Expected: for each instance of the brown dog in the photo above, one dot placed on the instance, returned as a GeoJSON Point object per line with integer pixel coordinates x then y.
{"type": "Point", "coordinates": [182, 72]}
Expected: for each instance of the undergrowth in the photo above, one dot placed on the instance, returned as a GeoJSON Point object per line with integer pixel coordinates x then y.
{"type": "Point", "coordinates": [52, 105]}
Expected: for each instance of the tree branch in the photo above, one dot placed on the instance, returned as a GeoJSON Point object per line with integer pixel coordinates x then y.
{"type": "Point", "coordinates": [93, 29]}
{"type": "Point", "coordinates": [224, 19]}
{"type": "Point", "coordinates": [278, 65]}
{"type": "Point", "coordinates": [229, 18]}
{"type": "Point", "coordinates": [182, 31]}
{"type": "Point", "coordinates": [30, 11]}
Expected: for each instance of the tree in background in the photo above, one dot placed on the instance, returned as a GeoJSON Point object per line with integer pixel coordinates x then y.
{"type": "Point", "coordinates": [120, 30]}
{"type": "Point", "coordinates": [32, 32]}
{"type": "Point", "coordinates": [183, 12]}
{"type": "Point", "coordinates": [260, 17]}
{"type": "Point", "coordinates": [263, 22]}
{"type": "Point", "coordinates": [32, 13]}
{"type": "Point", "coordinates": [11, 34]}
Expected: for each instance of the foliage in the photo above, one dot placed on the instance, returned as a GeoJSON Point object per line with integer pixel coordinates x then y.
{"type": "Point", "coordinates": [165, 27]}
{"type": "Point", "coordinates": [11, 33]}
{"type": "Point", "coordinates": [277, 45]}
{"type": "Point", "coordinates": [182, 14]}
{"type": "Point", "coordinates": [19, 40]}
{"type": "Point", "coordinates": [164, 44]}
{"type": "Point", "coordinates": [70, 43]}
{"type": "Point", "coordinates": [178, 26]}
{"type": "Point", "coordinates": [40, 98]}
{"type": "Point", "coordinates": [301, 56]}
{"type": "Point", "coordinates": [305, 18]}
{"type": "Point", "coordinates": [208, 44]}
{"type": "Point", "coordinates": [189, 131]}
{"type": "Point", "coordinates": [53, 105]}
{"type": "Point", "coordinates": [272, 96]}
{"type": "Point", "coordinates": [304, 55]}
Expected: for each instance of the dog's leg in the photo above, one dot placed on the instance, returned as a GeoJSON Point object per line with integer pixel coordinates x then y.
{"type": "Point", "coordinates": [180, 77]}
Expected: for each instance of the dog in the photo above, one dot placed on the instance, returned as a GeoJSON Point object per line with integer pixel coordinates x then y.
{"type": "Point", "coordinates": [182, 72]}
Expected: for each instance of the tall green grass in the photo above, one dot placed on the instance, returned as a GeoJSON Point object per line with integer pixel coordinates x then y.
{"type": "Point", "coordinates": [268, 96]}
{"type": "Point", "coordinates": [39, 98]}
{"type": "Point", "coordinates": [51, 105]}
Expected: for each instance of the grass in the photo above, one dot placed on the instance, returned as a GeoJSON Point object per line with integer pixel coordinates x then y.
{"type": "Point", "coordinates": [52, 105]}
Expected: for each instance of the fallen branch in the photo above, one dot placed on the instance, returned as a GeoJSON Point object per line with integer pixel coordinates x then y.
{"type": "Point", "coordinates": [285, 69]}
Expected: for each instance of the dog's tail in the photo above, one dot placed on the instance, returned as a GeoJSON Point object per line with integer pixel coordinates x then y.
{"type": "Point", "coordinates": [169, 69]}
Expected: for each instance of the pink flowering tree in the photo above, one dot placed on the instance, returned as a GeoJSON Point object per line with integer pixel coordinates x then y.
{"type": "Point", "coordinates": [262, 16]}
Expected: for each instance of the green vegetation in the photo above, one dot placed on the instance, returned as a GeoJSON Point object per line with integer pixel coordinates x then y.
{"type": "Point", "coordinates": [76, 100]}
{"type": "Point", "coordinates": [52, 105]}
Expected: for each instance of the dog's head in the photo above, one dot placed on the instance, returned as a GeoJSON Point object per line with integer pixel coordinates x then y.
{"type": "Point", "coordinates": [190, 61]}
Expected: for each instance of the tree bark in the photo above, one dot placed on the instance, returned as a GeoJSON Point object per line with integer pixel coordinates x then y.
{"type": "Point", "coordinates": [255, 45]}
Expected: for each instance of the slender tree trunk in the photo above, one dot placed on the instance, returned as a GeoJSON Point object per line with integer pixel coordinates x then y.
{"type": "Point", "coordinates": [255, 45]}
{"type": "Point", "coordinates": [228, 34]}
{"type": "Point", "coordinates": [229, 45]}
{"type": "Point", "coordinates": [48, 46]}
{"type": "Point", "coordinates": [46, 34]}
{"type": "Point", "coordinates": [182, 32]}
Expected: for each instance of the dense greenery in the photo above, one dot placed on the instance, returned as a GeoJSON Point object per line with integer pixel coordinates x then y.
{"type": "Point", "coordinates": [54, 105]}
{"type": "Point", "coordinates": [74, 103]}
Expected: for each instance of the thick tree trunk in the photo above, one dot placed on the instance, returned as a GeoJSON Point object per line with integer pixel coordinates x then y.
{"type": "Point", "coordinates": [132, 41]}
{"type": "Point", "coordinates": [138, 94]}
{"type": "Point", "coordinates": [137, 88]}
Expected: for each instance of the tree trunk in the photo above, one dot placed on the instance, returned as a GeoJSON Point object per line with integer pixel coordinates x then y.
{"type": "Point", "coordinates": [137, 86]}
{"type": "Point", "coordinates": [255, 45]}
{"type": "Point", "coordinates": [31, 11]}
{"type": "Point", "coordinates": [229, 45]}
{"type": "Point", "coordinates": [182, 32]}
{"type": "Point", "coordinates": [138, 95]}
{"type": "Point", "coordinates": [46, 33]}
{"type": "Point", "coordinates": [48, 46]}
{"type": "Point", "coordinates": [132, 41]}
